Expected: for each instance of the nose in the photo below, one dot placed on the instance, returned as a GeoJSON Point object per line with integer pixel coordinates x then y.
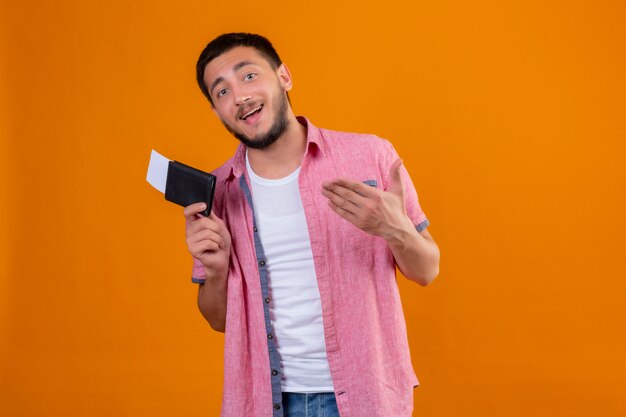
{"type": "Point", "coordinates": [242, 97]}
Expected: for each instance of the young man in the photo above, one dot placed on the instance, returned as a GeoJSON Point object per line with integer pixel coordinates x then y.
{"type": "Point", "coordinates": [296, 262]}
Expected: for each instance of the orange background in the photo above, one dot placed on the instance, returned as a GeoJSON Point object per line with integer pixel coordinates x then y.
{"type": "Point", "coordinates": [510, 116]}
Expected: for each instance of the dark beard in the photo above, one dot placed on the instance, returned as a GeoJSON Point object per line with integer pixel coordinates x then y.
{"type": "Point", "coordinates": [279, 127]}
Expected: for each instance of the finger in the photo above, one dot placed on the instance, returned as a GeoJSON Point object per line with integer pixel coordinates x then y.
{"type": "Point", "coordinates": [216, 219]}
{"type": "Point", "coordinates": [192, 210]}
{"type": "Point", "coordinates": [395, 179]}
{"type": "Point", "coordinates": [200, 243]}
{"type": "Point", "coordinates": [357, 188]}
{"type": "Point", "coordinates": [348, 215]}
{"type": "Point", "coordinates": [347, 192]}
{"type": "Point", "coordinates": [340, 201]}
{"type": "Point", "coordinates": [203, 247]}
{"type": "Point", "coordinates": [202, 223]}
{"type": "Point", "coordinates": [206, 235]}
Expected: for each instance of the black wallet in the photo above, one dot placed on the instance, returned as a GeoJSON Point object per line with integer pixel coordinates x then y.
{"type": "Point", "coordinates": [186, 185]}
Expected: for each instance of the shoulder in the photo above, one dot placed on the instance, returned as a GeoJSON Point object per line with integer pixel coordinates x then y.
{"type": "Point", "coordinates": [355, 142]}
{"type": "Point", "coordinates": [361, 153]}
{"type": "Point", "coordinates": [337, 141]}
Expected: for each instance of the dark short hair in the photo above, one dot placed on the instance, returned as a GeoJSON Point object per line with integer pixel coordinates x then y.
{"type": "Point", "coordinates": [225, 43]}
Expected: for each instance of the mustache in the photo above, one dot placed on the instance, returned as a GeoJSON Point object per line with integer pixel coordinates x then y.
{"type": "Point", "coordinates": [249, 106]}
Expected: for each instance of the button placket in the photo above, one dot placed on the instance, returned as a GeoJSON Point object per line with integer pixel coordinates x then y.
{"type": "Point", "coordinates": [262, 263]}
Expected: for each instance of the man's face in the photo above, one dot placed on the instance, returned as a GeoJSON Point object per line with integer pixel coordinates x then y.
{"type": "Point", "coordinates": [249, 96]}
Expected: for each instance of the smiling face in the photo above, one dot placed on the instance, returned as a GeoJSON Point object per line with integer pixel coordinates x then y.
{"type": "Point", "coordinates": [249, 96]}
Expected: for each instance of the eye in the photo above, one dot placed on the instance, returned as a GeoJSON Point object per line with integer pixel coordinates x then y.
{"type": "Point", "coordinates": [249, 76]}
{"type": "Point", "coordinates": [222, 92]}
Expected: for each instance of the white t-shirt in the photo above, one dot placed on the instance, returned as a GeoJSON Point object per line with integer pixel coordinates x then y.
{"type": "Point", "coordinates": [296, 309]}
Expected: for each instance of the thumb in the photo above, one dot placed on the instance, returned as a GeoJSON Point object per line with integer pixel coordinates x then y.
{"type": "Point", "coordinates": [395, 180]}
{"type": "Point", "coordinates": [214, 217]}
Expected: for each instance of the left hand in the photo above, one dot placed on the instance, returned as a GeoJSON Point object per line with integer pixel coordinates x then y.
{"type": "Point", "coordinates": [378, 212]}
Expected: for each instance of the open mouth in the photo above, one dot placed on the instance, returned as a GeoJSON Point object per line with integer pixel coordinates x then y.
{"type": "Point", "coordinates": [251, 112]}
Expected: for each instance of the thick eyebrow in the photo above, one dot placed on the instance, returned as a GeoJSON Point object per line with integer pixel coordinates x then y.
{"type": "Point", "coordinates": [237, 66]}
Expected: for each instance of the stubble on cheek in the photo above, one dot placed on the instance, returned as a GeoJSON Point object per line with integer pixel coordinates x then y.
{"type": "Point", "coordinates": [278, 127]}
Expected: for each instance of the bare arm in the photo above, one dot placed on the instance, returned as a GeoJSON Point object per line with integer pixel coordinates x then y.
{"type": "Point", "coordinates": [416, 254]}
{"type": "Point", "coordinates": [208, 240]}
{"type": "Point", "coordinates": [212, 302]}
{"type": "Point", "coordinates": [382, 213]}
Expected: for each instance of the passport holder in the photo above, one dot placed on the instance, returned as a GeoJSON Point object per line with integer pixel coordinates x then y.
{"type": "Point", "coordinates": [186, 185]}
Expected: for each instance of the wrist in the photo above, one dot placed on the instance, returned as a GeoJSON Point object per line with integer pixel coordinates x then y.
{"type": "Point", "coordinates": [215, 276]}
{"type": "Point", "coordinates": [399, 236]}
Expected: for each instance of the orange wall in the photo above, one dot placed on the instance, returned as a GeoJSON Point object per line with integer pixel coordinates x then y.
{"type": "Point", "coordinates": [510, 117]}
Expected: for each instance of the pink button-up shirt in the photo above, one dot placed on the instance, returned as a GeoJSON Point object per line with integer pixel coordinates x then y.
{"type": "Point", "coordinates": [364, 327]}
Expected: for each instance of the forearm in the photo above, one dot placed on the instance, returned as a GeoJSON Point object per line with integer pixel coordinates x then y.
{"type": "Point", "coordinates": [212, 299]}
{"type": "Point", "coordinates": [417, 256]}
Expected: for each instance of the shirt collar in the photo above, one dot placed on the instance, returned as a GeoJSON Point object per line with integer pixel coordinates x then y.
{"type": "Point", "coordinates": [313, 142]}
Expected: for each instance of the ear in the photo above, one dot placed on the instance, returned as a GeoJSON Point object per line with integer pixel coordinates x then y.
{"type": "Point", "coordinates": [284, 77]}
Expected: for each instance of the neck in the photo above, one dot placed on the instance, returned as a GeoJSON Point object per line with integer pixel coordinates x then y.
{"type": "Point", "coordinates": [284, 156]}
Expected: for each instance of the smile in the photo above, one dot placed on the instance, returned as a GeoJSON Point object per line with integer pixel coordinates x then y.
{"type": "Point", "coordinates": [251, 112]}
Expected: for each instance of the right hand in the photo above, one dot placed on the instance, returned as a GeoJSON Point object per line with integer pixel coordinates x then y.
{"type": "Point", "coordinates": [208, 239]}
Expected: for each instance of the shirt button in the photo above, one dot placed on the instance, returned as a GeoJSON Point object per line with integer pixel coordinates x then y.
{"type": "Point", "coordinates": [255, 229]}
{"type": "Point", "coordinates": [262, 263]}
{"type": "Point", "coordinates": [277, 406]}
{"type": "Point", "coordinates": [274, 372]}
{"type": "Point", "coordinates": [267, 300]}
{"type": "Point", "coordinates": [270, 336]}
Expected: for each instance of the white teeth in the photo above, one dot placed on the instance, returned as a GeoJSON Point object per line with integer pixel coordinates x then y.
{"type": "Point", "coordinates": [250, 112]}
